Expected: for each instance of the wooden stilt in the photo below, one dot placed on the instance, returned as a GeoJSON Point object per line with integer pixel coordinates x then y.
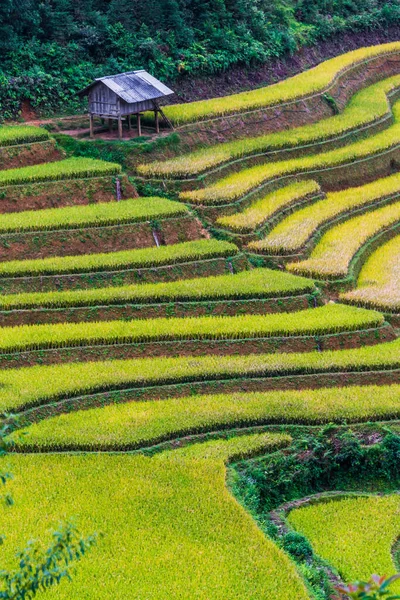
{"type": "Point", "coordinates": [110, 125]}
{"type": "Point", "coordinates": [91, 128]}
{"type": "Point", "coordinates": [157, 121]}
{"type": "Point", "coordinates": [120, 127]}
{"type": "Point", "coordinates": [139, 125]}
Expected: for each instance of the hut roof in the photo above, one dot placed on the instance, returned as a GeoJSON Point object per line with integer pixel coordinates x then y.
{"type": "Point", "coordinates": [134, 86]}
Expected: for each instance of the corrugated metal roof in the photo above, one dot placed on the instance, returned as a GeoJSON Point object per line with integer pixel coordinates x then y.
{"type": "Point", "coordinates": [134, 86]}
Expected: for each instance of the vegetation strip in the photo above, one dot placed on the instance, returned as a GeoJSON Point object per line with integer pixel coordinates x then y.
{"type": "Point", "coordinates": [378, 284]}
{"type": "Point", "coordinates": [184, 526]}
{"type": "Point", "coordinates": [91, 215]}
{"type": "Point", "coordinates": [70, 168]}
{"type": "Point", "coordinates": [236, 185]}
{"type": "Point", "coordinates": [21, 134]}
{"type": "Point", "coordinates": [295, 230]}
{"type": "Point", "coordinates": [313, 81]}
{"type": "Point", "coordinates": [137, 258]}
{"type": "Point", "coordinates": [365, 520]}
{"type": "Point", "coordinates": [34, 386]}
{"type": "Point", "coordinates": [365, 108]}
{"type": "Point", "coordinates": [333, 254]}
{"type": "Point", "coordinates": [137, 424]}
{"type": "Point", "coordinates": [257, 283]}
{"type": "Point", "coordinates": [260, 211]}
{"type": "Point", "coordinates": [333, 318]}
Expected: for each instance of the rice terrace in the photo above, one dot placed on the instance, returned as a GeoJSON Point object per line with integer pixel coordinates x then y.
{"type": "Point", "coordinates": [200, 339]}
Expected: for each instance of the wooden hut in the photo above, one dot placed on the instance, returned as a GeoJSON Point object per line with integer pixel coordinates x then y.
{"type": "Point", "coordinates": [118, 97]}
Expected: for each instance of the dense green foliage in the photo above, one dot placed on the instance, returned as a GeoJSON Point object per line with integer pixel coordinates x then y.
{"type": "Point", "coordinates": [49, 50]}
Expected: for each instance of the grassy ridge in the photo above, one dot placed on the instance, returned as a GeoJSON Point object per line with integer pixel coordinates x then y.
{"type": "Point", "coordinates": [294, 231]}
{"type": "Point", "coordinates": [187, 536]}
{"type": "Point", "coordinates": [137, 258]}
{"type": "Point", "coordinates": [236, 185]}
{"type": "Point", "coordinates": [332, 255]}
{"type": "Point", "coordinates": [135, 424]}
{"type": "Point", "coordinates": [364, 108]}
{"type": "Point", "coordinates": [70, 168]}
{"type": "Point", "coordinates": [257, 283]}
{"type": "Point", "coordinates": [29, 386]}
{"type": "Point", "coordinates": [91, 215]}
{"type": "Point", "coordinates": [22, 134]}
{"type": "Point", "coordinates": [343, 531]}
{"type": "Point", "coordinates": [309, 82]}
{"type": "Point", "coordinates": [326, 319]}
{"type": "Point", "coordinates": [262, 210]}
{"type": "Point", "coordinates": [378, 284]}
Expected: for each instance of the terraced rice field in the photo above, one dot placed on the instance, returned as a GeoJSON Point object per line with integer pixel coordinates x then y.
{"type": "Point", "coordinates": [153, 348]}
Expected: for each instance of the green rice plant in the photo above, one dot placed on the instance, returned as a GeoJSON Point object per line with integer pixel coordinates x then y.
{"type": "Point", "coordinates": [332, 318]}
{"type": "Point", "coordinates": [290, 235]}
{"type": "Point", "coordinates": [234, 186]}
{"type": "Point", "coordinates": [365, 107]}
{"type": "Point", "coordinates": [262, 210]}
{"type": "Point", "coordinates": [139, 258]}
{"type": "Point", "coordinates": [313, 81]}
{"type": "Point", "coordinates": [91, 215]}
{"type": "Point", "coordinates": [355, 535]}
{"type": "Point", "coordinates": [378, 283]}
{"type": "Point", "coordinates": [31, 386]}
{"type": "Point", "coordinates": [171, 529]}
{"type": "Point", "coordinates": [144, 423]}
{"type": "Point", "coordinates": [22, 134]}
{"type": "Point", "coordinates": [332, 255]}
{"type": "Point", "coordinates": [70, 168]}
{"type": "Point", "coordinates": [233, 448]}
{"type": "Point", "coordinates": [257, 283]}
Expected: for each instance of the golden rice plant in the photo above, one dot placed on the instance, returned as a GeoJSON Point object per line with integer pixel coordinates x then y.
{"type": "Point", "coordinates": [378, 284]}
{"type": "Point", "coordinates": [333, 254]}
{"type": "Point", "coordinates": [290, 235]}
{"type": "Point", "coordinates": [234, 186]}
{"type": "Point", "coordinates": [365, 107]}
{"type": "Point", "coordinates": [262, 210]}
{"type": "Point", "coordinates": [138, 258]}
{"type": "Point", "coordinates": [309, 82]}
{"type": "Point", "coordinates": [91, 215]}
{"type": "Point", "coordinates": [31, 386]}
{"type": "Point", "coordinates": [21, 134]}
{"type": "Point", "coordinates": [332, 318]}
{"type": "Point", "coordinates": [354, 535]}
{"type": "Point", "coordinates": [70, 168]}
{"type": "Point", "coordinates": [257, 283]}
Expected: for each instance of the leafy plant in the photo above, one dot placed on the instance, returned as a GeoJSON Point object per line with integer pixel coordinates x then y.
{"type": "Point", "coordinates": [376, 587]}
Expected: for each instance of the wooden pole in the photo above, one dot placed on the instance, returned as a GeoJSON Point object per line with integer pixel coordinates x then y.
{"type": "Point", "coordinates": [157, 120]}
{"type": "Point", "coordinates": [139, 125]}
{"type": "Point", "coordinates": [91, 125]}
{"type": "Point", "coordinates": [120, 127]}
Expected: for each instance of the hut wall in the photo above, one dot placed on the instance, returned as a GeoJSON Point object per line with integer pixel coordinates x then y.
{"type": "Point", "coordinates": [136, 107]}
{"type": "Point", "coordinates": [103, 101]}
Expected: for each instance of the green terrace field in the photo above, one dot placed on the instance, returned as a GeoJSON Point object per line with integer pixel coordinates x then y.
{"type": "Point", "coordinates": [237, 185]}
{"type": "Point", "coordinates": [206, 370]}
{"type": "Point", "coordinates": [364, 109]}
{"type": "Point", "coordinates": [310, 82]}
